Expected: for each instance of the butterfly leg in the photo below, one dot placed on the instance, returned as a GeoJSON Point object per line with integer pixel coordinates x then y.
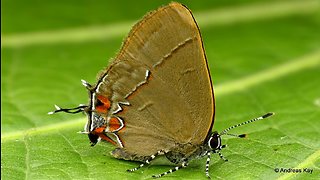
{"type": "Point", "coordinates": [209, 158]}
{"type": "Point", "coordinates": [207, 164]}
{"type": "Point", "coordinates": [219, 153]}
{"type": "Point", "coordinates": [161, 152]}
{"type": "Point", "coordinates": [183, 165]}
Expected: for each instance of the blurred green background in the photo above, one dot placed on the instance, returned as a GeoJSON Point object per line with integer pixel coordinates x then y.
{"type": "Point", "coordinates": [264, 55]}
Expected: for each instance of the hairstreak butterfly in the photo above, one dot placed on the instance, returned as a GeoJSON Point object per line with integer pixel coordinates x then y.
{"type": "Point", "coordinates": [156, 96]}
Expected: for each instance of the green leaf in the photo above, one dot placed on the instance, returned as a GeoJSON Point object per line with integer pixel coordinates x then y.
{"type": "Point", "coordinates": [264, 56]}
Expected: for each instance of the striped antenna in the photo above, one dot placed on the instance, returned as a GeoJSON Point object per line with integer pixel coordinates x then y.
{"type": "Point", "coordinates": [75, 110]}
{"type": "Point", "coordinates": [224, 132]}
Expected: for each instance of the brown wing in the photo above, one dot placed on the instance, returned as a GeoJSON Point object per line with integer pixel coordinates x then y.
{"type": "Point", "coordinates": [171, 97]}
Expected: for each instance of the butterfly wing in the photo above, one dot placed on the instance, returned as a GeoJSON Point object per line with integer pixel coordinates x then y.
{"type": "Point", "coordinates": [161, 75]}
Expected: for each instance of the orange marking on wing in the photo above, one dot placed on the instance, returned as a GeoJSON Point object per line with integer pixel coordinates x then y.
{"type": "Point", "coordinates": [122, 129]}
{"type": "Point", "coordinates": [101, 109]}
{"type": "Point", "coordinates": [121, 139]}
{"type": "Point", "coordinates": [106, 138]}
{"type": "Point", "coordinates": [100, 132]}
{"type": "Point", "coordinates": [114, 124]}
{"type": "Point", "coordinates": [105, 106]}
{"type": "Point", "coordinates": [105, 101]}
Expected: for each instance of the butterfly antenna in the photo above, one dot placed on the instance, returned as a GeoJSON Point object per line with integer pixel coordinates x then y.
{"type": "Point", "coordinates": [78, 109]}
{"type": "Point", "coordinates": [75, 110]}
{"type": "Point", "coordinates": [224, 132]}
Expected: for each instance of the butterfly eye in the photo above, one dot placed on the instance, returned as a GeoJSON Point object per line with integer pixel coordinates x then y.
{"type": "Point", "coordinates": [215, 141]}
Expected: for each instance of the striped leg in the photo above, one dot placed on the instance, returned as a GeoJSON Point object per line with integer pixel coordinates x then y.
{"type": "Point", "coordinates": [184, 164]}
{"type": "Point", "coordinates": [221, 156]}
{"type": "Point", "coordinates": [207, 164]}
{"type": "Point", "coordinates": [161, 152]}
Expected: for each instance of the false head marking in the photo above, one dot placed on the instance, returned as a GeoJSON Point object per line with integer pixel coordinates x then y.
{"type": "Point", "coordinates": [104, 79]}
{"type": "Point", "coordinates": [57, 107]}
{"type": "Point", "coordinates": [102, 104]}
{"type": "Point", "coordinates": [86, 84]}
{"type": "Point", "coordinates": [119, 108]}
{"type": "Point", "coordinates": [83, 132]}
{"type": "Point", "coordinates": [99, 134]}
{"type": "Point", "coordinates": [93, 107]}
{"type": "Point", "coordinates": [98, 87]}
{"type": "Point", "coordinates": [94, 139]}
{"type": "Point", "coordinates": [85, 128]}
{"type": "Point", "coordinates": [120, 143]}
{"type": "Point", "coordinates": [96, 122]}
{"type": "Point", "coordinates": [114, 124]}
